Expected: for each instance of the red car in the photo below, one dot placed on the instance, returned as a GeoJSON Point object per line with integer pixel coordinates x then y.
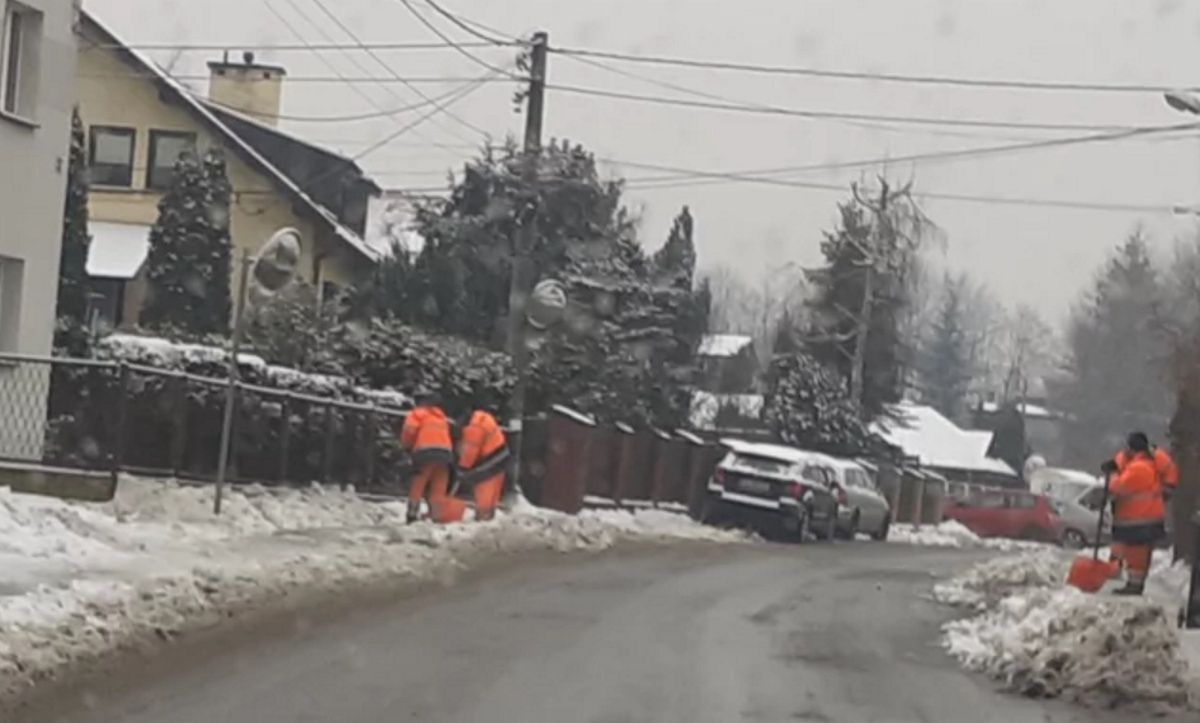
{"type": "Point", "coordinates": [1007, 513]}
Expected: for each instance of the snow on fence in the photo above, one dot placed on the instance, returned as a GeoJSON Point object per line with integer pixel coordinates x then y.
{"type": "Point", "coordinates": [119, 416]}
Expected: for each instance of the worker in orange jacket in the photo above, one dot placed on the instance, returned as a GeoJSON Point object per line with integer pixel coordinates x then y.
{"type": "Point", "coordinates": [1139, 512]}
{"type": "Point", "coordinates": [426, 437]}
{"type": "Point", "coordinates": [482, 461]}
{"type": "Point", "coordinates": [1167, 473]}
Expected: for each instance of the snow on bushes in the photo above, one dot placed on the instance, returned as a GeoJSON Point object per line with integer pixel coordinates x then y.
{"type": "Point", "coordinates": [1061, 642]}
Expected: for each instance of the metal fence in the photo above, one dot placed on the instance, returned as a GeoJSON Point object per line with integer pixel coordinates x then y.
{"type": "Point", "coordinates": [100, 415]}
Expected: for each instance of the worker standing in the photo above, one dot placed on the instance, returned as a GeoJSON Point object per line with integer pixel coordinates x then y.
{"type": "Point", "coordinates": [426, 437]}
{"type": "Point", "coordinates": [1139, 512]}
{"type": "Point", "coordinates": [482, 461]}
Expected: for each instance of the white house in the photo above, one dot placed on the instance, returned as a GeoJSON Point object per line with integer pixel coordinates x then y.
{"type": "Point", "coordinates": [935, 442]}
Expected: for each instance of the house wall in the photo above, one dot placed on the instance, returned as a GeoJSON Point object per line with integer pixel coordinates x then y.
{"type": "Point", "coordinates": [33, 162]}
{"type": "Point", "coordinates": [115, 92]}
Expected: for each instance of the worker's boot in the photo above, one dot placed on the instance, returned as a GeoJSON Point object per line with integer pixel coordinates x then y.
{"type": "Point", "coordinates": [1131, 588]}
{"type": "Point", "coordinates": [413, 512]}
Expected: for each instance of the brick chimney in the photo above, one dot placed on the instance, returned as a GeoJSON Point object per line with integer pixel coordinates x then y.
{"type": "Point", "coordinates": [248, 87]}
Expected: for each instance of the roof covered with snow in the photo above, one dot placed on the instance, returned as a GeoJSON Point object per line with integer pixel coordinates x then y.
{"type": "Point", "coordinates": [705, 406]}
{"type": "Point", "coordinates": [117, 250]}
{"type": "Point", "coordinates": [723, 345]}
{"type": "Point", "coordinates": [1029, 411]}
{"type": "Point", "coordinates": [935, 441]}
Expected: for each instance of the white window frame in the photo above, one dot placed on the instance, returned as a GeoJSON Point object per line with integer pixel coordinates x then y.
{"type": "Point", "coordinates": [23, 101]}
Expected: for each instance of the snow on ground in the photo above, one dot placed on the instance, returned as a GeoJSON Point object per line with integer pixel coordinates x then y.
{"type": "Point", "coordinates": [952, 533]}
{"type": "Point", "coordinates": [1043, 638]}
{"type": "Point", "coordinates": [85, 579]}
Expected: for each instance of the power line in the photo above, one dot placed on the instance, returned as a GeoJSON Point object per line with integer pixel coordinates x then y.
{"type": "Point", "coordinates": [966, 198]}
{"type": "Point", "coordinates": [938, 155]}
{"type": "Point", "coordinates": [825, 114]}
{"type": "Point", "coordinates": [347, 79]}
{"type": "Point", "coordinates": [382, 113]}
{"type": "Point", "coordinates": [857, 75]}
{"type": "Point", "coordinates": [463, 24]}
{"type": "Point", "coordinates": [451, 42]}
{"type": "Point", "coordinates": [337, 21]}
{"type": "Point", "coordinates": [291, 47]}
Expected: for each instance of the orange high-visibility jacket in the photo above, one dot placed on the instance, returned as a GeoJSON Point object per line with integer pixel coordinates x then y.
{"type": "Point", "coordinates": [426, 434]}
{"type": "Point", "coordinates": [1164, 466]}
{"type": "Point", "coordinates": [483, 450]}
{"type": "Point", "coordinates": [1137, 495]}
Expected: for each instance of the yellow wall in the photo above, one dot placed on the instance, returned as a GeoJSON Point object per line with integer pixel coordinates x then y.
{"type": "Point", "coordinates": [114, 92]}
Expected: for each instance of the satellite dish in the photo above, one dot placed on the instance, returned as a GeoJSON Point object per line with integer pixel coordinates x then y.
{"type": "Point", "coordinates": [276, 263]}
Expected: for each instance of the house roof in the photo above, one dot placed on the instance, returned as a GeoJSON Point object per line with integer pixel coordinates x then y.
{"type": "Point", "coordinates": [240, 145]}
{"type": "Point", "coordinates": [935, 441]}
{"type": "Point", "coordinates": [117, 250]}
{"type": "Point", "coordinates": [1029, 411]}
{"type": "Point", "coordinates": [723, 345]}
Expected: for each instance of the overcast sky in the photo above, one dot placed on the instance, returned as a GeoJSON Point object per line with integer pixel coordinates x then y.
{"type": "Point", "coordinates": [1042, 256]}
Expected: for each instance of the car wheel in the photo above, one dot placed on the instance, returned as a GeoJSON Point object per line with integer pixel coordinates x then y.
{"type": "Point", "coordinates": [710, 511]}
{"type": "Point", "coordinates": [1074, 540]}
{"type": "Point", "coordinates": [881, 534]}
{"type": "Point", "coordinates": [851, 530]}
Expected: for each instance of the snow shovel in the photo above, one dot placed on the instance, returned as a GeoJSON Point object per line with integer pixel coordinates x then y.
{"type": "Point", "coordinates": [1090, 573]}
{"type": "Point", "coordinates": [450, 508]}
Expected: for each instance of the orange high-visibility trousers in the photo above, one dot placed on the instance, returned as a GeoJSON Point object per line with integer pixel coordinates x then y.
{"type": "Point", "coordinates": [1137, 562]}
{"type": "Point", "coordinates": [487, 496]}
{"type": "Point", "coordinates": [431, 476]}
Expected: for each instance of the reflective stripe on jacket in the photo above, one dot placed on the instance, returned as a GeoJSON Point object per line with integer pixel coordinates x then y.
{"type": "Point", "coordinates": [426, 434]}
{"type": "Point", "coordinates": [483, 449]}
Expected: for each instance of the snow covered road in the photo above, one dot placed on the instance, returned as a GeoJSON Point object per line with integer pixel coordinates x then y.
{"type": "Point", "coordinates": [83, 581]}
{"type": "Point", "coordinates": [705, 634]}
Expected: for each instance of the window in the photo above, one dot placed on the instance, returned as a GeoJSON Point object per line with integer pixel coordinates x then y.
{"type": "Point", "coordinates": [1093, 499]}
{"type": "Point", "coordinates": [1022, 502]}
{"type": "Point", "coordinates": [111, 156]}
{"type": "Point", "coordinates": [760, 464]}
{"type": "Point", "coordinates": [165, 149]}
{"type": "Point", "coordinates": [11, 273]}
{"type": "Point", "coordinates": [20, 47]}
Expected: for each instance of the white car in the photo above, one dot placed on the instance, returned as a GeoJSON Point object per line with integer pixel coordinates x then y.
{"type": "Point", "coordinates": [773, 489]}
{"type": "Point", "coordinates": [861, 506]}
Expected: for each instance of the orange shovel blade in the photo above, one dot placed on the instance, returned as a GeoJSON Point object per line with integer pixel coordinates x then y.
{"type": "Point", "coordinates": [1089, 574]}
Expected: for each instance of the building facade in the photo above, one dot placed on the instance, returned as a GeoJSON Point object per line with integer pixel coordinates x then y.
{"type": "Point", "coordinates": [37, 92]}
{"type": "Point", "coordinates": [139, 120]}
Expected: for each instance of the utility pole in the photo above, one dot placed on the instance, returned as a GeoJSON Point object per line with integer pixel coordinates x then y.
{"type": "Point", "coordinates": [523, 272]}
{"type": "Point", "coordinates": [863, 322]}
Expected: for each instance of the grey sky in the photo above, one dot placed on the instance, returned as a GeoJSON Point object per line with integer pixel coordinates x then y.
{"type": "Point", "coordinates": [1040, 256]}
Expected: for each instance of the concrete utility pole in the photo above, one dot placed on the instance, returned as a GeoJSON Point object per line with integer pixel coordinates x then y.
{"type": "Point", "coordinates": [523, 272]}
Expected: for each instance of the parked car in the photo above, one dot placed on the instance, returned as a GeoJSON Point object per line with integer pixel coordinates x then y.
{"type": "Point", "coordinates": [773, 489]}
{"type": "Point", "coordinates": [994, 512]}
{"type": "Point", "coordinates": [861, 506]}
{"type": "Point", "coordinates": [1079, 506]}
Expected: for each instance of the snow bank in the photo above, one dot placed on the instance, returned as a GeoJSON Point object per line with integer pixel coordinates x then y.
{"type": "Point", "coordinates": [986, 584]}
{"type": "Point", "coordinates": [1062, 642]}
{"type": "Point", "coordinates": [1042, 638]}
{"type": "Point", "coordinates": [91, 579]}
{"type": "Point", "coordinates": [952, 533]}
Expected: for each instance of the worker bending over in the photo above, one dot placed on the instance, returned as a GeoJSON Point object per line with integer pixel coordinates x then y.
{"type": "Point", "coordinates": [482, 461]}
{"type": "Point", "coordinates": [426, 437]}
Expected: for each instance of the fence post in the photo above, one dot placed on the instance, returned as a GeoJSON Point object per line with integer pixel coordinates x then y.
{"type": "Point", "coordinates": [327, 456]}
{"type": "Point", "coordinates": [118, 450]}
{"type": "Point", "coordinates": [179, 425]}
{"type": "Point", "coordinates": [285, 437]}
{"type": "Point", "coordinates": [372, 429]}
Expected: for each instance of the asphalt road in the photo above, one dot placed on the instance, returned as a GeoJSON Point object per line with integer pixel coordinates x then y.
{"type": "Point", "coordinates": [698, 634]}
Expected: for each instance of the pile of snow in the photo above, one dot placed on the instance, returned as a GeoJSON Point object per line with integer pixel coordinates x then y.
{"type": "Point", "coordinates": [952, 533]}
{"type": "Point", "coordinates": [986, 584]}
{"type": "Point", "coordinates": [1043, 638]}
{"type": "Point", "coordinates": [1062, 642]}
{"type": "Point", "coordinates": [83, 580]}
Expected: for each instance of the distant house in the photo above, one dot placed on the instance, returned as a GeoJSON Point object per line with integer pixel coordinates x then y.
{"type": "Point", "coordinates": [728, 363]}
{"type": "Point", "coordinates": [139, 120]}
{"type": "Point", "coordinates": [934, 442]}
{"type": "Point", "coordinates": [726, 413]}
{"type": "Point", "coordinates": [1043, 427]}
